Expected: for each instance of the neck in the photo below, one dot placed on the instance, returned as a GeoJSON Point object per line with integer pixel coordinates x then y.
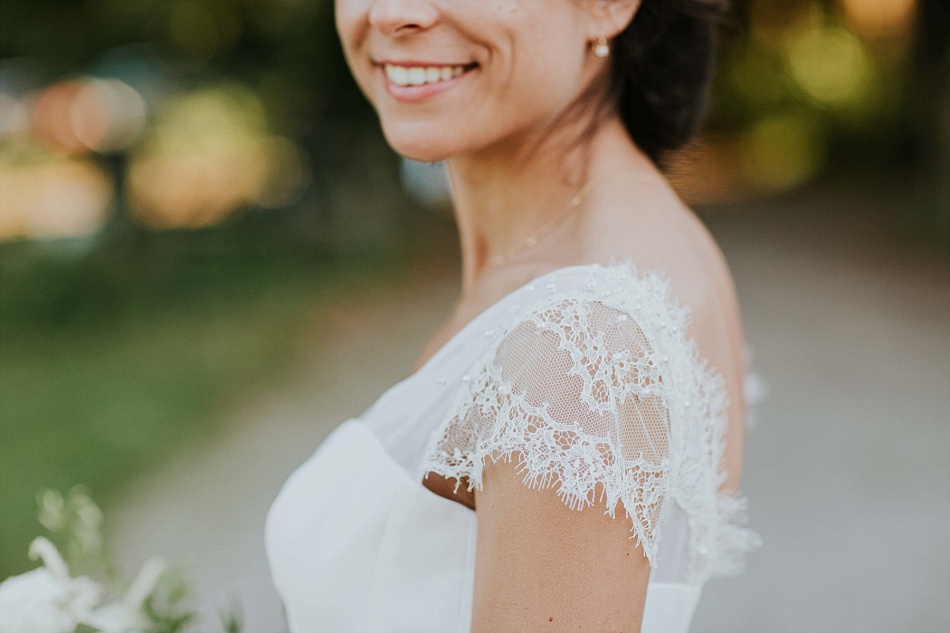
{"type": "Point", "coordinates": [504, 193]}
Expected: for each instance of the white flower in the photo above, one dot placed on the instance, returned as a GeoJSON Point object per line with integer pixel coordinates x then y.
{"type": "Point", "coordinates": [127, 616]}
{"type": "Point", "coordinates": [117, 618]}
{"type": "Point", "coordinates": [46, 600]}
{"type": "Point", "coordinates": [50, 600]}
{"type": "Point", "coordinates": [144, 584]}
{"type": "Point", "coordinates": [40, 602]}
{"type": "Point", "coordinates": [44, 550]}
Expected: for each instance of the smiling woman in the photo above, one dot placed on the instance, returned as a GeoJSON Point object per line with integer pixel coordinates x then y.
{"type": "Point", "coordinates": [588, 389]}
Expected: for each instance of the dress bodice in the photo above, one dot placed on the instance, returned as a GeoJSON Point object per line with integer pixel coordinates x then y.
{"type": "Point", "coordinates": [356, 542]}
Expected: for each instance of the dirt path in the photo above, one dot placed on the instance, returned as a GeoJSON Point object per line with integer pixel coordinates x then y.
{"type": "Point", "coordinates": [846, 470]}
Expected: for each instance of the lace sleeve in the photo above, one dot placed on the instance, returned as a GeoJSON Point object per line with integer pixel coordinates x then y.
{"type": "Point", "coordinates": [579, 393]}
{"type": "Point", "coordinates": [595, 390]}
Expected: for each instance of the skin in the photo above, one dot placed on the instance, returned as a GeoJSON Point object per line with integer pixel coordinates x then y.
{"type": "Point", "coordinates": [510, 133]}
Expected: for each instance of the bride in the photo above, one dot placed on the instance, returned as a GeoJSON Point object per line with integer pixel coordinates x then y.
{"type": "Point", "coordinates": [566, 454]}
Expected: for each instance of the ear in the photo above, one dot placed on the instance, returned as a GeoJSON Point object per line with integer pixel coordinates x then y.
{"type": "Point", "coordinates": [608, 18]}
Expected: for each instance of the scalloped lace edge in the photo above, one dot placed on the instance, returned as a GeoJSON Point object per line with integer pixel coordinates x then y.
{"type": "Point", "coordinates": [719, 539]}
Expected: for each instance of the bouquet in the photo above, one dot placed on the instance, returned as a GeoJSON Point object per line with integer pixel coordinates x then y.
{"type": "Point", "coordinates": [57, 598]}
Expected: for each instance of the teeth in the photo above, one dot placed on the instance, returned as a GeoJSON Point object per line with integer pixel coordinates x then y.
{"type": "Point", "coordinates": [417, 76]}
{"type": "Point", "coordinates": [398, 75]}
{"type": "Point", "coordinates": [421, 75]}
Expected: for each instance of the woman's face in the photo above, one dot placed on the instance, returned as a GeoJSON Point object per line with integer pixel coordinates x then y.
{"type": "Point", "coordinates": [454, 76]}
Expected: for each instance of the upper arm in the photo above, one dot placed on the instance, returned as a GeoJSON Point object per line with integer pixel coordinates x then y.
{"type": "Point", "coordinates": [574, 409]}
{"type": "Point", "coordinates": [541, 566]}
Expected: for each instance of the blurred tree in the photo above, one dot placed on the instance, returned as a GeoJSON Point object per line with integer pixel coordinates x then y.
{"type": "Point", "coordinates": [290, 46]}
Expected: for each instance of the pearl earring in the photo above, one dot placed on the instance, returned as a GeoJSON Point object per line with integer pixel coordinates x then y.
{"type": "Point", "coordinates": [602, 48]}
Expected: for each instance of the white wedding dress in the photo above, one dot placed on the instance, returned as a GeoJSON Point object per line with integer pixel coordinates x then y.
{"type": "Point", "coordinates": [584, 376]}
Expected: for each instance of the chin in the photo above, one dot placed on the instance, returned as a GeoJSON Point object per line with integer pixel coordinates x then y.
{"type": "Point", "coordinates": [422, 142]}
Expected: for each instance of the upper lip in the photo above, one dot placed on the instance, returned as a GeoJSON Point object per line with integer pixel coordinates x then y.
{"type": "Point", "coordinates": [415, 62]}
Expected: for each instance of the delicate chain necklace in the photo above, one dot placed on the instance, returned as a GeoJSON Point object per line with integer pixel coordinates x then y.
{"type": "Point", "coordinates": [554, 222]}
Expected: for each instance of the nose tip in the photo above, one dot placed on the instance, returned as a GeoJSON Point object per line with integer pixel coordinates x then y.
{"type": "Point", "coordinates": [394, 17]}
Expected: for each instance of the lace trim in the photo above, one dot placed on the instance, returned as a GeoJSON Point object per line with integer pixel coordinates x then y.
{"type": "Point", "coordinates": [492, 417]}
{"type": "Point", "coordinates": [549, 451]}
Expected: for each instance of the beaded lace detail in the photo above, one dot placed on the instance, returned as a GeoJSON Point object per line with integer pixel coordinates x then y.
{"type": "Point", "coordinates": [598, 393]}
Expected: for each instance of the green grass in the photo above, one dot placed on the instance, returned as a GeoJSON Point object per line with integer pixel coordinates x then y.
{"type": "Point", "coordinates": [109, 367]}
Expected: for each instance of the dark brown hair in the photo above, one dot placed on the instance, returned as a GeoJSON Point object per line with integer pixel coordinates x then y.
{"type": "Point", "coordinates": [663, 64]}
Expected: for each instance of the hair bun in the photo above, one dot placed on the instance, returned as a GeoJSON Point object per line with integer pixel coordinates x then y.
{"type": "Point", "coordinates": [663, 65]}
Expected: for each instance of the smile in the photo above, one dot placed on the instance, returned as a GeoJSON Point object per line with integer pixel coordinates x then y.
{"type": "Point", "coordinates": [423, 75]}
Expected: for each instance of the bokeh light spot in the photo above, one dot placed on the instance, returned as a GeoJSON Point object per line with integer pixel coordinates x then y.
{"type": "Point", "coordinates": [208, 154]}
{"type": "Point", "coordinates": [108, 115]}
{"type": "Point", "coordinates": [53, 198]}
{"type": "Point", "coordinates": [878, 19]}
{"type": "Point", "coordinates": [53, 119]}
{"type": "Point", "coordinates": [831, 66]}
{"type": "Point", "coordinates": [782, 151]}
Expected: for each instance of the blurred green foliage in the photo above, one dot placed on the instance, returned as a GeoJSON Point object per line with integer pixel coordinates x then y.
{"type": "Point", "coordinates": [112, 363]}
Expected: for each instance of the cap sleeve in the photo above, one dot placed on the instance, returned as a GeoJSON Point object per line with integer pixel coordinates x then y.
{"type": "Point", "coordinates": [597, 393]}
{"type": "Point", "coordinates": [575, 392]}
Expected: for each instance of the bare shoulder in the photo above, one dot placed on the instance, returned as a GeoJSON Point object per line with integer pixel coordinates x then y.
{"type": "Point", "coordinates": [661, 232]}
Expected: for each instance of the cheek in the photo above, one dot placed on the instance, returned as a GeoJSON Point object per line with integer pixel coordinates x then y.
{"type": "Point", "coordinates": [351, 27]}
{"type": "Point", "coordinates": [540, 75]}
{"type": "Point", "coordinates": [544, 75]}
